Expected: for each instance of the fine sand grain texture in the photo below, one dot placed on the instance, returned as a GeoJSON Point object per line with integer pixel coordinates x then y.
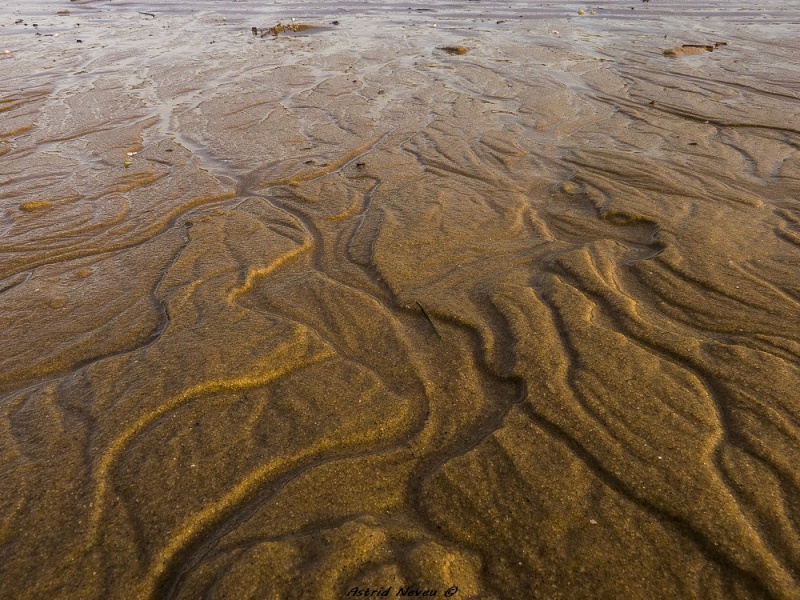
{"type": "Point", "coordinates": [308, 300]}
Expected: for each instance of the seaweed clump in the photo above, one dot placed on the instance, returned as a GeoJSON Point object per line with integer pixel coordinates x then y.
{"type": "Point", "coordinates": [290, 27]}
{"type": "Point", "coordinates": [35, 205]}
{"type": "Point", "coordinates": [455, 50]}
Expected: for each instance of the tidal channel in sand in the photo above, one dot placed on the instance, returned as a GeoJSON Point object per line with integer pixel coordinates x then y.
{"type": "Point", "coordinates": [287, 316]}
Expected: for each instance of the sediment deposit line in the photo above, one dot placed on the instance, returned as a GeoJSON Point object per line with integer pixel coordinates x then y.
{"type": "Point", "coordinates": [40, 381]}
{"type": "Point", "coordinates": [707, 546]}
{"type": "Point", "coordinates": [726, 427]}
{"type": "Point", "coordinates": [115, 449]}
{"type": "Point", "coordinates": [480, 434]}
{"type": "Point", "coordinates": [148, 235]}
{"type": "Point", "coordinates": [197, 550]}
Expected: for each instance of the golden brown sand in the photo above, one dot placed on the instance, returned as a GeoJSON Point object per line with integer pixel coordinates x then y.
{"type": "Point", "coordinates": [304, 315]}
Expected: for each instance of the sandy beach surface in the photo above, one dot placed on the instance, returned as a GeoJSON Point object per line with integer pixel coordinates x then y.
{"type": "Point", "coordinates": [492, 300]}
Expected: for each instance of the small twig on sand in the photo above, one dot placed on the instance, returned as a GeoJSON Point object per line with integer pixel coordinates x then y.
{"type": "Point", "coordinates": [427, 316]}
{"type": "Point", "coordinates": [147, 14]}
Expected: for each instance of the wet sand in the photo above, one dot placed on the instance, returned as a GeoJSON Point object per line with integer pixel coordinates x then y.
{"type": "Point", "coordinates": [310, 314]}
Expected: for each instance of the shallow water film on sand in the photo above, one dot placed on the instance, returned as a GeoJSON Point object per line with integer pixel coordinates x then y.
{"type": "Point", "coordinates": [309, 300]}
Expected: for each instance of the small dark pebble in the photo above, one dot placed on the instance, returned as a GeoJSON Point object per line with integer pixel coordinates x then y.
{"type": "Point", "coordinates": [254, 30]}
{"type": "Point", "coordinates": [334, 22]}
{"type": "Point", "coordinates": [79, 41]}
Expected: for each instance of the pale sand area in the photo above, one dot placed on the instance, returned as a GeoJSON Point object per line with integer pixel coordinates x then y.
{"type": "Point", "coordinates": [286, 316]}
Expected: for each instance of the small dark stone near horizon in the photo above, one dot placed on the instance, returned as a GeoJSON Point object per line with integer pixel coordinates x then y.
{"type": "Point", "coordinates": [254, 30]}
{"type": "Point", "coordinates": [334, 22]}
{"type": "Point", "coordinates": [79, 41]}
